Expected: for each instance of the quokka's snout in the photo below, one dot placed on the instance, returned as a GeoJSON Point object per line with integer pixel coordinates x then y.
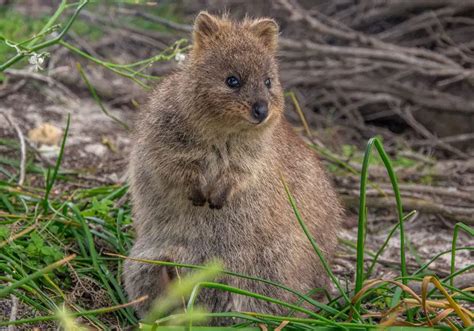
{"type": "Point", "coordinates": [259, 111]}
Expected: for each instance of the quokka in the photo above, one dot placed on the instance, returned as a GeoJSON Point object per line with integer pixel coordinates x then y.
{"type": "Point", "coordinates": [205, 174]}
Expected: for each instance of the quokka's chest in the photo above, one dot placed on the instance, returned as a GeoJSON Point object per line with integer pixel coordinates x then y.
{"type": "Point", "coordinates": [216, 161]}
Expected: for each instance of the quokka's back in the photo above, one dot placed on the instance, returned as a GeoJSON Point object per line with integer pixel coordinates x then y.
{"type": "Point", "coordinates": [205, 174]}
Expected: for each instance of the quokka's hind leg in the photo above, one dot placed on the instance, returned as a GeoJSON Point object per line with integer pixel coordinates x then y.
{"type": "Point", "coordinates": [217, 301]}
{"type": "Point", "coordinates": [142, 279]}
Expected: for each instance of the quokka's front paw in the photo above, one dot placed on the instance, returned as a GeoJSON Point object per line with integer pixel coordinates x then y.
{"type": "Point", "coordinates": [197, 198]}
{"type": "Point", "coordinates": [218, 197]}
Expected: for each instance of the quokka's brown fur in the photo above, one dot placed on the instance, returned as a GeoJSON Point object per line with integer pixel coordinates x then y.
{"type": "Point", "coordinates": [206, 175]}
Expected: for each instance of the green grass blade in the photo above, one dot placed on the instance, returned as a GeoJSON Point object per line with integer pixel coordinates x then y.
{"type": "Point", "coordinates": [409, 216]}
{"type": "Point", "coordinates": [8, 290]}
{"type": "Point", "coordinates": [363, 215]}
{"type": "Point", "coordinates": [315, 303]}
{"type": "Point", "coordinates": [104, 275]}
{"type": "Point", "coordinates": [469, 230]}
{"type": "Point", "coordinates": [314, 244]}
{"type": "Point", "coordinates": [97, 98]}
{"type": "Point", "coordinates": [50, 22]}
{"type": "Point", "coordinates": [51, 178]}
{"type": "Point", "coordinates": [257, 296]}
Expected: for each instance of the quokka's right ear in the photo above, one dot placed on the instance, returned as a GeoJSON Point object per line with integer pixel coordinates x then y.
{"type": "Point", "coordinates": [205, 26]}
{"type": "Point", "coordinates": [266, 30]}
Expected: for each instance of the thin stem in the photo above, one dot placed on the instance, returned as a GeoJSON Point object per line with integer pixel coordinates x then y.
{"type": "Point", "coordinates": [47, 43]}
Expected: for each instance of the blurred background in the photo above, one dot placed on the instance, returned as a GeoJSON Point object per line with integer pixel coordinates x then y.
{"type": "Point", "coordinates": [396, 69]}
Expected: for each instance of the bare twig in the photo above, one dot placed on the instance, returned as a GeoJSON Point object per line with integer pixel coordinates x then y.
{"type": "Point", "coordinates": [17, 86]}
{"type": "Point", "coordinates": [451, 139]}
{"type": "Point", "coordinates": [13, 311]}
{"type": "Point", "coordinates": [37, 76]}
{"type": "Point", "coordinates": [348, 34]}
{"type": "Point", "coordinates": [22, 148]}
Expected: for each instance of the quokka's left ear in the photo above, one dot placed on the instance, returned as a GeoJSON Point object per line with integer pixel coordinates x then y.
{"type": "Point", "coordinates": [267, 30]}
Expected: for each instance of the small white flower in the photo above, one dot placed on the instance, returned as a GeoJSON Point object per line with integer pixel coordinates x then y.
{"type": "Point", "coordinates": [37, 60]}
{"type": "Point", "coordinates": [180, 57]}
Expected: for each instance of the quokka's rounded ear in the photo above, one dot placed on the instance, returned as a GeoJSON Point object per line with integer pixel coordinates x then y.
{"type": "Point", "coordinates": [205, 26]}
{"type": "Point", "coordinates": [267, 30]}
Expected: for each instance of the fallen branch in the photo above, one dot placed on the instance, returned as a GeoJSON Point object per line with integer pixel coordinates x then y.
{"type": "Point", "coordinates": [464, 214]}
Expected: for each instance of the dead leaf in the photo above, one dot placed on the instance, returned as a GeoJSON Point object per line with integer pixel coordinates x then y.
{"type": "Point", "coordinates": [45, 134]}
{"type": "Point", "coordinates": [282, 325]}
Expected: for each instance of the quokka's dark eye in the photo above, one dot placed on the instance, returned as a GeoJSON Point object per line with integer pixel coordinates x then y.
{"type": "Point", "coordinates": [268, 83]}
{"type": "Point", "coordinates": [232, 82]}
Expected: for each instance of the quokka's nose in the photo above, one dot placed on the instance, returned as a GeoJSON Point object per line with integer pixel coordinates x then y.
{"type": "Point", "coordinates": [260, 111]}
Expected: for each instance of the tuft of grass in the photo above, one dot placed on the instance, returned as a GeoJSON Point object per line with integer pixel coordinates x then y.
{"type": "Point", "coordinates": [313, 242]}
{"type": "Point", "coordinates": [362, 225]}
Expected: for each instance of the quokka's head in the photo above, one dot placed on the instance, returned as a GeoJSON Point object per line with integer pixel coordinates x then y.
{"type": "Point", "coordinates": [234, 71]}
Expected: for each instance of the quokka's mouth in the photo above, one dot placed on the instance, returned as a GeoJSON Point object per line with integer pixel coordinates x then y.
{"type": "Point", "coordinates": [257, 123]}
